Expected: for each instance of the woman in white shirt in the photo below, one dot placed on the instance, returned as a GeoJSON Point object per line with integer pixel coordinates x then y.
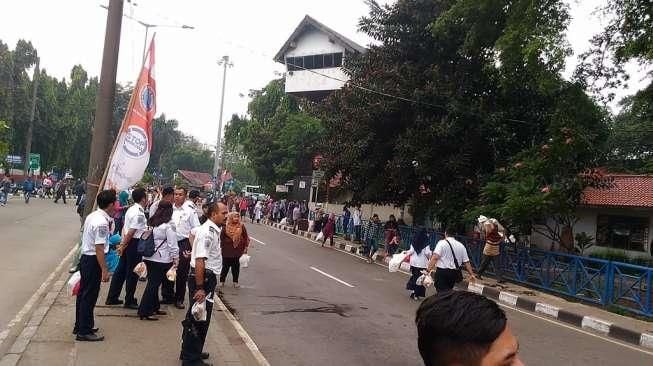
{"type": "Point", "coordinates": [166, 255]}
{"type": "Point", "coordinates": [420, 254]}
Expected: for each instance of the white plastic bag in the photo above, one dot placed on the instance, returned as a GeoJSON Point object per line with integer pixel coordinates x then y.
{"type": "Point", "coordinates": [320, 236]}
{"type": "Point", "coordinates": [141, 270]}
{"type": "Point", "coordinates": [425, 280]}
{"type": "Point", "coordinates": [73, 282]}
{"type": "Point", "coordinates": [172, 274]}
{"type": "Point", "coordinates": [199, 311]}
{"type": "Point", "coordinates": [395, 262]}
{"type": "Point", "coordinates": [311, 225]}
{"type": "Point", "coordinates": [284, 221]}
{"type": "Point", "coordinates": [244, 260]}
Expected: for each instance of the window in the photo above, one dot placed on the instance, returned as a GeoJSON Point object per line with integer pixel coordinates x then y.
{"type": "Point", "coordinates": [308, 62]}
{"type": "Point", "coordinates": [328, 60]}
{"type": "Point", "coordinates": [318, 61]}
{"type": "Point", "coordinates": [622, 232]}
{"type": "Point", "coordinates": [337, 59]}
{"type": "Point", "coordinates": [322, 61]}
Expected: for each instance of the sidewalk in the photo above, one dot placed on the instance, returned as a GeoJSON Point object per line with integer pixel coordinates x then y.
{"type": "Point", "coordinates": [47, 337]}
{"type": "Point", "coordinates": [577, 314]}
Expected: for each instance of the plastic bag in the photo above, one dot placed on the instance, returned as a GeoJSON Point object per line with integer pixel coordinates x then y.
{"type": "Point", "coordinates": [141, 270]}
{"type": "Point", "coordinates": [172, 274]}
{"type": "Point", "coordinates": [112, 260]}
{"type": "Point", "coordinates": [199, 311]}
{"type": "Point", "coordinates": [425, 280]}
{"type": "Point", "coordinates": [320, 236]}
{"type": "Point", "coordinates": [244, 260]}
{"type": "Point", "coordinates": [284, 221]}
{"type": "Point", "coordinates": [311, 225]}
{"type": "Point", "coordinates": [395, 262]}
{"type": "Point", "coordinates": [73, 282]}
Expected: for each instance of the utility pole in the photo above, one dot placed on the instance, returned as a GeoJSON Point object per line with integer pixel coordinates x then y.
{"type": "Point", "coordinates": [106, 96]}
{"type": "Point", "coordinates": [30, 127]}
{"type": "Point", "coordinates": [216, 164]}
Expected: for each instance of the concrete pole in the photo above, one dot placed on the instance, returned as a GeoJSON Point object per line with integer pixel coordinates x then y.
{"type": "Point", "coordinates": [30, 127]}
{"type": "Point", "coordinates": [216, 164]}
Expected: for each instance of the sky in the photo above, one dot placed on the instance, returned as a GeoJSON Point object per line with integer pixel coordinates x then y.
{"type": "Point", "coordinates": [189, 80]}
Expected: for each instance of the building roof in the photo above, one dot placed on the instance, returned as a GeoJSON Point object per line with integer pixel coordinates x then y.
{"type": "Point", "coordinates": [625, 191]}
{"type": "Point", "coordinates": [310, 22]}
{"type": "Point", "coordinates": [196, 179]}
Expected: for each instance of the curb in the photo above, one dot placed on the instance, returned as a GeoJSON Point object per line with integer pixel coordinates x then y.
{"type": "Point", "coordinates": [586, 322]}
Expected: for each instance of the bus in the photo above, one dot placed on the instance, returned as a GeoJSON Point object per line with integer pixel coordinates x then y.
{"type": "Point", "coordinates": [254, 192]}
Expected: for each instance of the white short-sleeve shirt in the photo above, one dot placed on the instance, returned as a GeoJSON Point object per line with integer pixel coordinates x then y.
{"type": "Point", "coordinates": [207, 245]}
{"type": "Point", "coordinates": [135, 219]}
{"type": "Point", "coordinates": [185, 218]}
{"type": "Point", "coordinates": [446, 257]}
{"type": "Point", "coordinates": [420, 260]}
{"type": "Point", "coordinates": [97, 229]}
{"type": "Point", "coordinates": [165, 244]}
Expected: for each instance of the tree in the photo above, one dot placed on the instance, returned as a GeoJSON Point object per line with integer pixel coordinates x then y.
{"type": "Point", "coordinates": [4, 138]}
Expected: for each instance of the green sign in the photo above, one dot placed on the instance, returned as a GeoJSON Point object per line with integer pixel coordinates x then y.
{"type": "Point", "coordinates": [34, 162]}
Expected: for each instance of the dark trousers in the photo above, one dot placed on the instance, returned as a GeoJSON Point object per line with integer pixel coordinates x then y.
{"type": "Point", "coordinates": [60, 195]}
{"type": "Point", "coordinates": [194, 332]}
{"type": "Point", "coordinates": [357, 232]}
{"type": "Point", "coordinates": [156, 273]}
{"type": "Point", "coordinates": [124, 274]}
{"type": "Point", "coordinates": [445, 279]}
{"type": "Point", "coordinates": [234, 264]}
{"type": "Point", "coordinates": [496, 263]}
{"type": "Point", "coordinates": [419, 291]}
{"type": "Point", "coordinates": [89, 289]}
{"type": "Point", "coordinates": [177, 291]}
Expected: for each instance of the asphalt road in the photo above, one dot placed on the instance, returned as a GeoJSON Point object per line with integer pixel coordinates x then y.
{"type": "Point", "coordinates": [34, 238]}
{"type": "Point", "coordinates": [361, 315]}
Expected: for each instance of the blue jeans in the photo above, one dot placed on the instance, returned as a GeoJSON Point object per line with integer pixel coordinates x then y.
{"type": "Point", "coordinates": [28, 194]}
{"type": "Point", "coordinates": [3, 197]}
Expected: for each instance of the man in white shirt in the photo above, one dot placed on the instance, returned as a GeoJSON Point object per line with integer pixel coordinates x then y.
{"type": "Point", "coordinates": [184, 217]}
{"type": "Point", "coordinates": [93, 267]}
{"type": "Point", "coordinates": [449, 255]}
{"type": "Point", "coordinates": [206, 264]}
{"type": "Point", "coordinates": [358, 222]}
{"type": "Point", "coordinates": [135, 224]}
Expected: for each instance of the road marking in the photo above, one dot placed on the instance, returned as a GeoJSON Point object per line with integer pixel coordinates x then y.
{"type": "Point", "coordinates": [576, 329]}
{"type": "Point", "coordinates": [256, 240]}
{"type": "Point", "coordinates": [32, 300]}
{"type": "Point", "coordinates": [332, 277]}
{"type": "Point", "coordinates": [249, 342]}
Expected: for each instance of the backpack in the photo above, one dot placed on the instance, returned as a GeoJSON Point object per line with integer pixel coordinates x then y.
{"type": "Point", "coordinates": [145, 246]}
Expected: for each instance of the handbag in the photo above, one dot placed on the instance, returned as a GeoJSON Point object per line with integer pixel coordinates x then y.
{"type": "Point", "coordinates": [459, 272]}
{"type": "Point", "coordinates": [146, 246]}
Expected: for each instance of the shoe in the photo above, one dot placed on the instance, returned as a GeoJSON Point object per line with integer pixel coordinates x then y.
{"type": "Point", "coordinates": [161, 312]}
{"type": "Point", "coordinates": [93, 330]}
{"type": "Point", "coordinates": [236, 285]}
{"type": "Point", "coordinates": [132, 306]}
{"type": "Point", "coordinates": [149, 317]}
{"type": "Point", "coordinates": [89, 338]}
{"type": "Point", "coordinates": [179, 305]}
{"type": "Point", "coordinates": [205, 355]}
{"type": "Point", "coordinates": [196, 363]}
{"type": "Point", "coordinates": [113, 302]}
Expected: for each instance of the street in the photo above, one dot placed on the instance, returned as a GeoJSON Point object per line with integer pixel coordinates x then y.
{"type": "Point", "coordinates": [35, 238]}
{"type": "Point", "coordinates": [306, 305]}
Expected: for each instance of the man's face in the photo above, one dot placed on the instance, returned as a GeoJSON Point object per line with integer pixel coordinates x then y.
{"type": "Point", "coordinates": [169, 198]}
{"type": "Point", "coordinates": [503, 351]}
{"type": "Point", "coordinates": [180, 197]}
{"type": "Point", "coordinates": [111, 210]}
{"type": "Point", "coordinates": [220, 214]}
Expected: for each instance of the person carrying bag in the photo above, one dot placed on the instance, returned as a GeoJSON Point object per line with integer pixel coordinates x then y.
{"type": "Point", "coordinates": [445, 257]}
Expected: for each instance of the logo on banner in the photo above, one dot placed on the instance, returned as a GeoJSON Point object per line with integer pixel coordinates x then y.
{"type": "Point", "coordinates": [135, 144]}
{"type": "Point", "coordinates": [147, 98]}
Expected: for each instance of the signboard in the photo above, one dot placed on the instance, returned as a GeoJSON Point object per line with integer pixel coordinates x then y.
{"type": "Point", "coordinates": [318, 175]}
{"type": "Point", "coordinates": [35, 162]}
{"type": "Point", "coordinates": [14, 159]}
{"type": "Point", "coordinates": [282, 189]}
{"type": "Point", "coordinates": [302, 185]}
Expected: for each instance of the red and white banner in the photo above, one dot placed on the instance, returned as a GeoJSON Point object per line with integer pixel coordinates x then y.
{"type": "Point", "coordinates": [132, 152]}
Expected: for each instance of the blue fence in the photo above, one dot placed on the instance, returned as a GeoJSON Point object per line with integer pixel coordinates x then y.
{"type": "Point", "coordinates": [597, 281]}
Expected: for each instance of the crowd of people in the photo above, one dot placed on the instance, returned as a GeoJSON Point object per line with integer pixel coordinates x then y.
{"type": "Point", "coordinates": [44, 187]}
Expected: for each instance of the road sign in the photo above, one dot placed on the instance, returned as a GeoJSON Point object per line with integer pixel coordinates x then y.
{"type": "Point", "coordinates": [14, 159]}
{"type": "Point", "coordinates": [282, 189]}
{"type": "Point", "coordinates": [318, 174]}
{"type": "Point", "coordinates": [35, 162]}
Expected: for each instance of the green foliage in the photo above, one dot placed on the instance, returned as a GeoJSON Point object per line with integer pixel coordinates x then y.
{"type": "Point", "coordinates": [583, 242]}
{"type": "Point", "coordinates": [620, 256]}
{"type": "Point", "coordinates": [188, 154]}
{"type": "Point", "coordinates": [4, 138]}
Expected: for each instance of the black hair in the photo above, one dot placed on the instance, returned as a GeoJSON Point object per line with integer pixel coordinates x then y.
{"type": "Point", "coordinates": [457, 327]}
{"type": "Point", "coordinates": [451, 230]}
{"type": "Point", "coordinates": [212, 208]}
{"type": "Point", "coordinates": [183, 188]}
{"type": "Point", "coordinates": [421, 241]}
{"type": "Point", "coordinates": [194, 194]}
{"type": "Point", "coordinates": [167, 191]}
{"type": "Point", "coordinates": [106, 198]}
{"type": "Point", "coordinates": [162, 215]}
{"type": "Point", "coordinates": [138, 194]}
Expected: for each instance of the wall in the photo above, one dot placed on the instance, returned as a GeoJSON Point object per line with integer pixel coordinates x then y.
{"type": "Point", "coordinates": [587, 223]}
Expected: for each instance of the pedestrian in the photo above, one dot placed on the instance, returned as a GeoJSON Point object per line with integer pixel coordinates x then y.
{"type": "Point", "coordinates": [250, 209]}
{"type": "Point", "coordinates": [122, 205]}
{"type": "Point", "coordinates": [296, 216]}
{"type": "Point", "coordinates": [28, 188]}
{"type": "Point", "coordinates": [135, 224]}
{"type": "Point", "coordinates": [203, 217]}
{"type": "Point", "coordinates": [234, 242]}
{"type": "Point", "coordinates": [47, 187]}
{"type": "Point", "coordinates": [329, 229]}
{"type": "Point", "coordinates": [61, 191]}
{"type": "Point", "coordinates": [372, 232]}
{"type": "Point", "coordinates": [346, 217]}
{"type": "Point", "coordinates": [168, 194]}
{"type": "Point", "coordinates": [81, 207]}
{"type": "Point", "coordinates": [5, 189]}
{"type": "Point", "coordinates": [276, 212]}
{"type": "Point", "coordinates": [80, 189]}
{"type": "Point", "coordinates": [391, 235]}
{"type": "Point", "coordinates": [494, 234]}
{"type": "Point", "coordinates": [165, 257]}
{"type": "Point", "coordinates": [242, 206]}
{"type": "Point", "coordinates": [195, 199]}
{"type": "Point", "coordinates": [206, 265]}
{"type": "Point", "coordinates": [449, 256]}
{"type": "Point", "coordinates": [463, 328]}
{"type": "Point", "coordinates": [184, 217]}
{"type": "Point", "coordinates": [358, 222]}
{"type": "Point", "coordinates": [419, 254]}
{"type": "Point", "coordinates": [93, 267]}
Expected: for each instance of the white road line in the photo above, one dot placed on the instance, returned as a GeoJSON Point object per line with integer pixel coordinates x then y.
{"type": "Point", "coordinates": [249, 342]}
{"type": "Point", "coordinates": [256, 240]}
{"type": "Point", "coordinates": [32, 300]}
{"type": "Point", "coordinates": [331, 277]}
{"type": "Point", "coordinates": [576, 329]}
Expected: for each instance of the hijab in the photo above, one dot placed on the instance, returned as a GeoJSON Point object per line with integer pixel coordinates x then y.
{"type": "Point", "coordinates": [421, 241]}
{"type": "Point", "coordinates": [123, 197]}
{"type": "Point", "coordinates": [234, 228]}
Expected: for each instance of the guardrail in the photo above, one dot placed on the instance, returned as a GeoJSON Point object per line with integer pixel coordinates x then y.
{"type": "Point", "coordinates": [598, 281]}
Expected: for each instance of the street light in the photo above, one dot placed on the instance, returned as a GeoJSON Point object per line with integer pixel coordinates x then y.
{"type": "Point", "coordinates": [224, 61]}
{"type": "Point", "coordinates": [148, 26]}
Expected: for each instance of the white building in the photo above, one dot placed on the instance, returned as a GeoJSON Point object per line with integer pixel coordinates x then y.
{"type": "Point", "coordinates": [314, 55]}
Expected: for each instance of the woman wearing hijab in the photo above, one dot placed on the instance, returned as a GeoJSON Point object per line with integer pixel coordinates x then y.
{"type": "Point", "coordinates": [329, 229]}
{"type": "Point", "coordinates": [234, 242]}
{"type": "Point", "coordinates": [121, 206]}
{"type": "Point", "coordinates": [391, 235]}
{"type": "Point", "coordinates": [419, 253]}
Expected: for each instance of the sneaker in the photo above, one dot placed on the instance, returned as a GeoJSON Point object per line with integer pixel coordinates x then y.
{"type": "Point", "coordinates": [236, 285]}
{"type": "Point", "coordinates": [89, 337]}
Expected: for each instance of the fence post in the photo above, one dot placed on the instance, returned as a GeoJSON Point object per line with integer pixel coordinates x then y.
{"type": "Point", "coordinates": [649, 279]}
{"type": "Point", "coordinates": [609, 284]}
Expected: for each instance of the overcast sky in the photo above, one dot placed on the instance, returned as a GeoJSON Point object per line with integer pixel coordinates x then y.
{"type": "Point", "coordinates": [70, 32]}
